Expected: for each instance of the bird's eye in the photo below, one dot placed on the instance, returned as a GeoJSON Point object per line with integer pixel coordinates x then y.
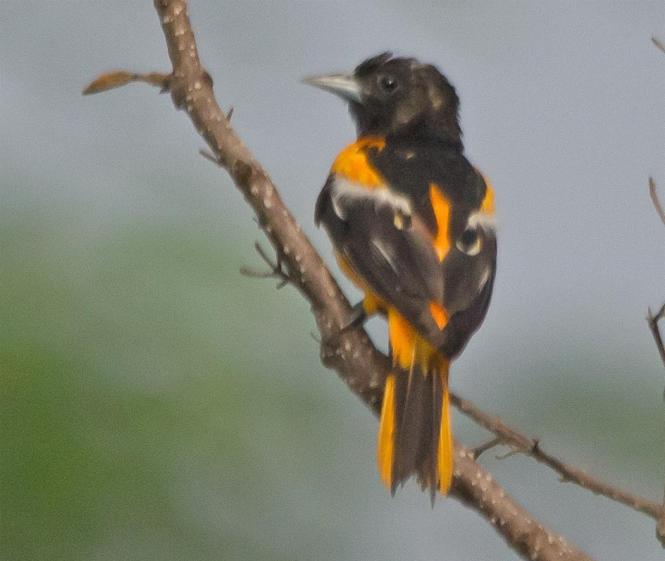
{"type": "Point", "coordinates": [469, 242]}
{"type": "Point", "coordinates": [387, 83]}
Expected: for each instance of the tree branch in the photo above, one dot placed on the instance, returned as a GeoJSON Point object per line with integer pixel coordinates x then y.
{"type": "Point", "coordinates": [653, 320]}
{"type": "Point", "coordinates": [531, 447]}
{"type": "Point", "coordinates": [659, 44]}
{"type": "Point", "coordinates": [653, 193]}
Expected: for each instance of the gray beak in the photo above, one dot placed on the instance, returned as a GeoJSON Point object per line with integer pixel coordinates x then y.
{"type": "Point", "coordinates": [346, 87]}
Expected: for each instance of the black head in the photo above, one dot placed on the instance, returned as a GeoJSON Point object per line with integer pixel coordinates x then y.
{"type": "Point", "coordinates": [397, 96]}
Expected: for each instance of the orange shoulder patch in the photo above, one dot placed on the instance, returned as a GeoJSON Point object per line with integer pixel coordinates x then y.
{"type": "Point", "coordinates": [352, 162]}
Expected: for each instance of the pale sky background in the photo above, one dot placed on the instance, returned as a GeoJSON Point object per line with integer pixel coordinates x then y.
{"type": "Point", "coordinates": [562, 107]}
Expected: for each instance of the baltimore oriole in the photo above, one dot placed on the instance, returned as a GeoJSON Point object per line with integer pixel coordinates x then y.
{"type": "Point", "coordinates": [411, 221]}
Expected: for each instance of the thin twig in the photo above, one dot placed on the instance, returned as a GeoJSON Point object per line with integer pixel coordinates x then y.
{"type": "Point", "coordinates": [653, 320]}
{"type": "Point", "coordinates": [276, 268]}
{"type": "Point", "coordinates": [209, 156]}
{"type": "Point", "coordinates": [531, 447]}
{"type": "Point", "coordinates": [484, 447]}
{"type": "Point", "coordinates": [655, 200]}
{"type": "Point", "coordinates": [660, 525]}
{"type": "Point", "coordinates": [658, 43]}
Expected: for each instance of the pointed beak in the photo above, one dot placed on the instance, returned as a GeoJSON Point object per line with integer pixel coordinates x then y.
{"type": "Point", "coordinates": [346, 87]}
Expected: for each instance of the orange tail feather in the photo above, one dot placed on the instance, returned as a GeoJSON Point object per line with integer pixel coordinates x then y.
{"type": "Point", "coordinates": [415, 435]}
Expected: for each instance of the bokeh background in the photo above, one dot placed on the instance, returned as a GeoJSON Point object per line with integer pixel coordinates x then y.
{"type": "Point", "coordinates": [156, 405]}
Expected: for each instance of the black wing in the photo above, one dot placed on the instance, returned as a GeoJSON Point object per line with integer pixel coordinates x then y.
{"type": "Point", "coordinates": [394, 255]}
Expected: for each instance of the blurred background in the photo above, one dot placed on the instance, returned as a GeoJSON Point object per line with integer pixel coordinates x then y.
{"type": "Point", "coordinates": [156, 405]}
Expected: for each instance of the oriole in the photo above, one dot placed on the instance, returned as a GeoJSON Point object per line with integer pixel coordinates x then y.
{"type": "Point", "coordinates": [411, 221]}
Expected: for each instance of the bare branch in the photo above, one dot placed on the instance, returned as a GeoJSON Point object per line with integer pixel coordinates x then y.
{"type": "Point", "coordinates": [658, 43]}
{"type": "Point", "coordinates": [478, 490]}
{"type": "Point", "coordinates": [209, 156]}
{"type": "Point", "coordinates": [531, 446]}
{"type": "Point", "coordinates": [660, 525]}
{"type": "Point", "coordinates": [655, 200]}
{"type": "Point", "coordinates": [484, 447]}
{"type": "Point", "coordinates": [275, 268]}
{"type": "Point", "coordinates": [653, 320]}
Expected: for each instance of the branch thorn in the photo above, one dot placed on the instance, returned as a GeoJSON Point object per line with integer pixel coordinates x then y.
{"type": "Point", "coordinates": [275, 268]}
{"type": "Point", "coordinates": [209, 156]}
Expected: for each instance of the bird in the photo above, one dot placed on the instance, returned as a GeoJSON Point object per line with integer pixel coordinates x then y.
{"type": "Point", "coordinates": [412, 225]}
